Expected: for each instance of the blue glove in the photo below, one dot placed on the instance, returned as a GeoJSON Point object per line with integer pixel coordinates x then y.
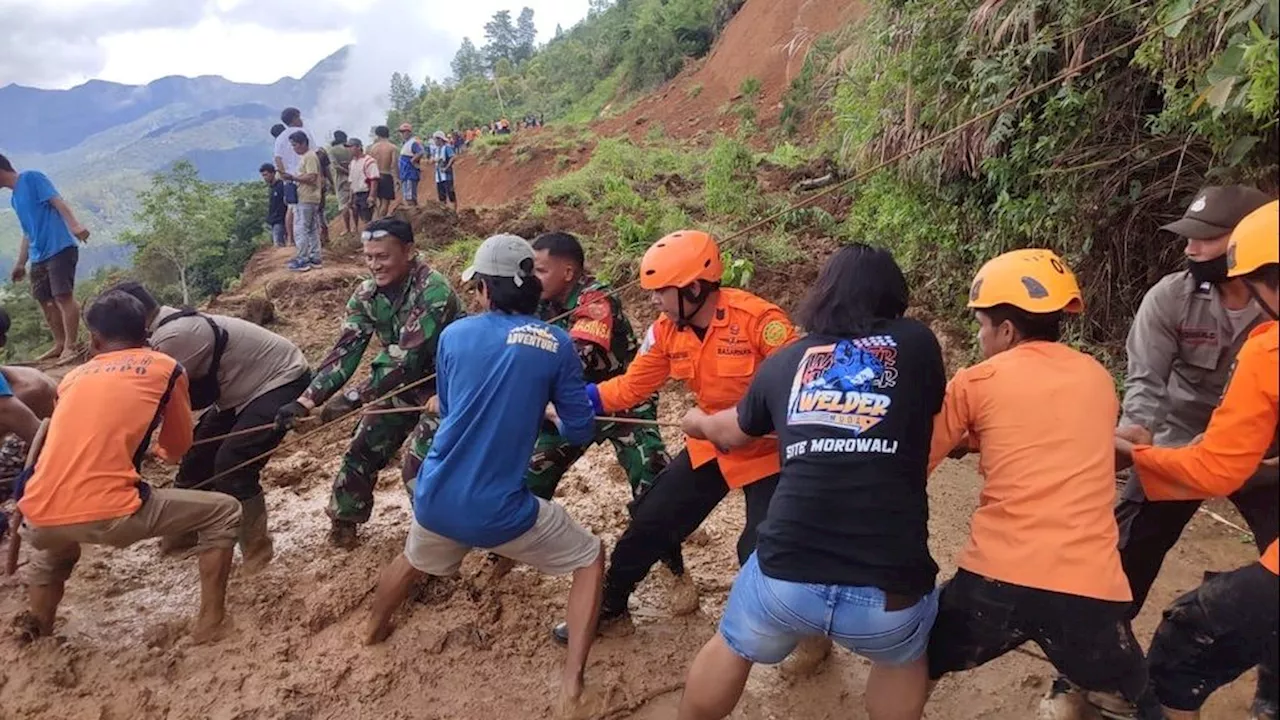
{"type": "Point", "coordinates": [593, 394]}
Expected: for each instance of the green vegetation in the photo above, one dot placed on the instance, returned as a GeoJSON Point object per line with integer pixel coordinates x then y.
{"type": "Point", "coordinates": [750, 88]}
{"type": "Point", "coordinates": [1089, 168]}
{"type": "Point", "coordinates": [192, 238]}
{"type": "Point", "coordinates": [621, 47]}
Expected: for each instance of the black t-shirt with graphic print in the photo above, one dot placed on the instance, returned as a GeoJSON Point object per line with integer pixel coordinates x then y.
{"type": "Point", "coordinates": [854, 417]}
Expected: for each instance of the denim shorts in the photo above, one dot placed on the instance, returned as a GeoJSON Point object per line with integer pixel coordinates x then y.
{"type": "Point", "coordinates": [766, 618]}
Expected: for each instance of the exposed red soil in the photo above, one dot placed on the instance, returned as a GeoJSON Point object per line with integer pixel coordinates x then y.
{"type": "Point", "coordinates": [767, 40]}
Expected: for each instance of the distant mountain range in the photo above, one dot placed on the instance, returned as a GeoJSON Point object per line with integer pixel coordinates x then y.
{"type": "Point", "coordinates": [100, 142]}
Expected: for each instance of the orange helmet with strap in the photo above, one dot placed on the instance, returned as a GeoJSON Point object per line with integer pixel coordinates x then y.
{"type": "Point", "coordinates": [1255, 243]}
{"type": "Point", "coordinates": [681, 259]}
{"type": "Point", "coordinates": [1034, 280]}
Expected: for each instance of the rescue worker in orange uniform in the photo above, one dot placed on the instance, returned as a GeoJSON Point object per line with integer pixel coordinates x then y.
{"type": "Point", "coordinates": [1042, 562]}
{"type": "Point", "coordinates": [1217, 632]}
{"type": "Point", "coordinates": [713, 339]}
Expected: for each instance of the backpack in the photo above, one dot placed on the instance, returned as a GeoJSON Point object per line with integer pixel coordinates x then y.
{"type": "Point", "coordinates": [204, 390]}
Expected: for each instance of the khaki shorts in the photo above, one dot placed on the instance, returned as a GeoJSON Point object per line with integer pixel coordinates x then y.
{"type": "Point", "coordinates": [555, 545]}
{"type": "Point", "coordinates": [213, 516]}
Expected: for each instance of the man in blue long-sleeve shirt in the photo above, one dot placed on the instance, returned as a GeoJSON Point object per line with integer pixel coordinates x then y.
{"type": "Point", "coordinates": [497, 373]}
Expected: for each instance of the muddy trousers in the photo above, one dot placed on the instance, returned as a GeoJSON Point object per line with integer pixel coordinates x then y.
{"type": "Point", "coordinates": [662, 518]}
{"type": "Point", "coordinates": [1149, 530]}
{"type": "Point", "coordinates": [209, 459]}
{"type": "Point", "coordinates": [1214, 634]}
{"type": "Point", "coordinates": [375, 443]}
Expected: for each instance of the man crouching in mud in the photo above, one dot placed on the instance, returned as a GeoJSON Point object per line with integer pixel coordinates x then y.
{"type": "Point", "coordinates": [86, 486]}
{"type": "Point", "coordinates": [498, 370]}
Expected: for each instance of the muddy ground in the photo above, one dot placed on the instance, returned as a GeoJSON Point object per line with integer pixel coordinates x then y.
{"type": "Point", "coordinates": [473, 647]}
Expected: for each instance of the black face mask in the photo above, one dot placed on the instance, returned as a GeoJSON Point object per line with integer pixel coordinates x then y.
{"type": "Point", "coordinates": [1212, 271]}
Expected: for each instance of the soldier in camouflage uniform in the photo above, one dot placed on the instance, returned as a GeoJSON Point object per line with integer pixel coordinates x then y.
{"type": "Point", "coordinates": [406, 305]}
{"type": "Point", "coordinates": [606, 344]}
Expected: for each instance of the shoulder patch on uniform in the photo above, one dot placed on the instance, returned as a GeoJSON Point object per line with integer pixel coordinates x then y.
{"type": "Point", "coordinates": [774, 333]}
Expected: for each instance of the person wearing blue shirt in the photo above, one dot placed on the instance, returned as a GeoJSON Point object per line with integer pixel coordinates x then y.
{"type": "Point", "coordinates": [444, 153]}
{"type": "Point", "coordinates": [497, 373]}
{"type": "Point", "coordinates": [49, 234]}
{"type": "Point", "coordinates": [411, 153]}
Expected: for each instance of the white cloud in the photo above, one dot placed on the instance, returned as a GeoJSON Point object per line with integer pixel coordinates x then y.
{"type": "Point", "coordinates": [60, 43]}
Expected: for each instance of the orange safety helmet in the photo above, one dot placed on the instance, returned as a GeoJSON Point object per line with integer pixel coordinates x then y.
{"type": "Point", "coordinates": [1033, 280]}
{"type": "Point", "coordinates": [681, 259]}
{"type": "Point", "coordinates": [1255, 243]}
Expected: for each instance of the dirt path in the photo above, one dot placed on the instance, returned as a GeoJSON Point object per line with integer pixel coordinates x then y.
{"type": "Point", "coordinates": [467, 648]}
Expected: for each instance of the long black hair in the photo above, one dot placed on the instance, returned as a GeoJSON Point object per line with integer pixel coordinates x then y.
{"type": "Point", "coordinates": [858, 288]}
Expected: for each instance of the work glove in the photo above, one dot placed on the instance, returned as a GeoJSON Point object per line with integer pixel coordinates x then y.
{"type": "Point", "coordinates": [337, 407]}
{"type": "Point", "coordinates": [289, 415]}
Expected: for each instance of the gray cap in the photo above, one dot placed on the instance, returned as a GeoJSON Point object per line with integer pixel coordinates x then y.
{"type": "Point", "coordinates": [501, 256]}
{"type": "Point", "coordinates": [1216, 211]}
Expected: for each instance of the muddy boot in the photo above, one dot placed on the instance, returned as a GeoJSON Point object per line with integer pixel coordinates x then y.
{"type": "Point", "coordinates": [343, 535]}
{"type": "Point", "coordinates": [178, 544]}
{"type": "Point", "coordinates": [1065, 702]}
{"type": "Point", "coordinates": [807, 658]}
{"type": "Point", "coordinates": [612, 623]}
{"type": "Point", "coordinates": [256, 548]}
{"type": "Point", "coordinates": [683, 597]}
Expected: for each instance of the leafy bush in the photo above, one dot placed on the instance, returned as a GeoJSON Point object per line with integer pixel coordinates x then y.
{"type": "Point", "coordinates": [738, 272]}
{"type": "Point", "coordinates": [750, 87]}
{"type": "Point", "coordinates": [1089, 167]}
{"type": "Point", "coordinates": [729, 184]}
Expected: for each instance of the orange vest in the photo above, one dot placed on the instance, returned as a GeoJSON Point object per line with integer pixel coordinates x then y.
{"type": "Point", "coordinates": [718, 369]}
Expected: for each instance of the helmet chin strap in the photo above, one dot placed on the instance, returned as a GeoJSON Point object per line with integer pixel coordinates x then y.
{"type": "Point", "coordinates": [682, 317]}
{"type": "Point", "coordinates": [1261, 303]}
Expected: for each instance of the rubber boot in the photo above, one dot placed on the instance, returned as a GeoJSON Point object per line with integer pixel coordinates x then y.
{"type": "Point", "coordinates": [343, 535]}
{"type": "Point", "coordinates": [1065, 702]}
{"type": "Point", "coordinates": [808, 657]}
{"type": "Point", "coordinates": [683, 597]}
{"type": "Point", "coordinates": [256, 547]}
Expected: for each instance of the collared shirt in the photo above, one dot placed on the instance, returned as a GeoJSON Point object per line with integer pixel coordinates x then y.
{"type": "Point", "coordinates": [717, 368]}
{"type": "Point", "coordinates": [255, 361]}
{"type": "Point", "coordinates": [601, 332]}
{"type": "Point", "coordinates": [1181, 347]}
{"type": "Point", "coordinates": [407, 326]}
{"type": "Point", "coordinates": [1235, 441]}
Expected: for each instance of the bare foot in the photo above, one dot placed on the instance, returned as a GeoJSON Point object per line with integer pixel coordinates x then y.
{"type": "Point", "coordinates": [28, 628]}
{"type": "Point", "coordinates": [54, 352]}
{"type": "Point", "coordinates": [378, 632]}
{"type": "Point", "coordinates": [69, 356]}
{"type": "Point", "coordinates": [208, 628]}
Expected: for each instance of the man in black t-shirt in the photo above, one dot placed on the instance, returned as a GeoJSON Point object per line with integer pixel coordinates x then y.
{"type": "Point", "coordinates": [843, 552]}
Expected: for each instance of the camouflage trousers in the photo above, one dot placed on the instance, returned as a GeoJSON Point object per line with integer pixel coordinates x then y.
{"type": "Point", "coordinates": [639, 449]}
{"type": "Point", "coordinates": [375, 443]}
{"type": "Point", "coordinates": [13, 458]}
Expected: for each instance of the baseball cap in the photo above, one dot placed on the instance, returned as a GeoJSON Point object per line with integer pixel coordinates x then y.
{"type": "Point", "coordinates": [438, 135]}
{"type": "Point", "coordinates": [501, 256]}
{"type": "Point", "coordinates": [406, 126]}
{"type": "Point", "coordinates": [1216, 211]}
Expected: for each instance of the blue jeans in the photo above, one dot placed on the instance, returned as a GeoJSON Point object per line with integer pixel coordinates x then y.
{"type": "Point", "coordinates": [279, 237]}
{"type": "Point", "coordinates": [766, 618]}
{"type": "Point", "coordinates": [306, 231]}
